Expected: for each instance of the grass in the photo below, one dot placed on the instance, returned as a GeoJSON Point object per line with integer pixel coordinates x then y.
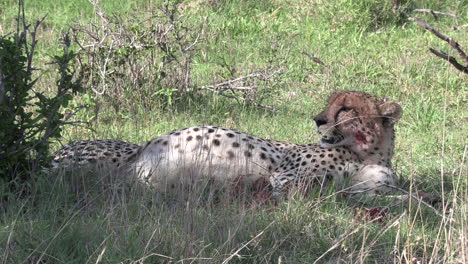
{"type": "Point", "coordinates": [95, 218]}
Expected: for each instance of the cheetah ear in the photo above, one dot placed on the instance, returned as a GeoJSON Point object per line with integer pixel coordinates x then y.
{"type": "Point", "coordinates": [392, 111]}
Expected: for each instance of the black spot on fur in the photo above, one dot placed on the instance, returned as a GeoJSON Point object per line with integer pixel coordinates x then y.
{"type": "Point", "coordinates": [263, 156]}
{"type": "Point", "coordinates": [247, 153]}
{"type": "Point", "coordinates": [230, 135]}
{"type": "Point", "coordinates": [216, 142]}
{"type": "Point", "coordinates": [189, 138]}
{"type": "Point", "coordinates": [230, 154]}
{"type": "Point", "coordinates": [235, 144]}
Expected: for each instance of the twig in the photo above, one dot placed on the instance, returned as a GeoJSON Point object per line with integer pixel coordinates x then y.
{"type": "Point", "coordinates": [404, 197]}
{"type": "Point", "coordinates": [460, 27]}
{"type": "Point", "coordinates": [450, 59]}
{"type": "Point", "coordinates": [419, 199]}
{"type": "Point", "coordinates": [426, 10]}
{"type": "Point", "coordinates": [452, 44]}
{"type": "Point", "coordinates": [240, 89]}
{"type": "Point", "coordinates": [317, 60]}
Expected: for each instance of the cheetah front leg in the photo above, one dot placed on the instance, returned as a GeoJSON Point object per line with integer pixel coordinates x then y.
{"type": "Point", "coordinates": [373, 180]}
{"type": "Point", "coordinates": [279, 182]}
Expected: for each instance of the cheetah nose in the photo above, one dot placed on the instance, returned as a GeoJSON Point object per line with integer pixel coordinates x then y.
{"type": "Point", "coordinates": [319, 121]}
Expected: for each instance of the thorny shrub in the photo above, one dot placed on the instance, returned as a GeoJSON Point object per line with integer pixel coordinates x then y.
{"type": "Point", "coordinates": [30, 119]}
{"type": "Point", "coordinates": [138, 59]}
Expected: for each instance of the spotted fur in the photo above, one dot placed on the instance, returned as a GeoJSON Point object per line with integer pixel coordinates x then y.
{"type": "Point", "coordinates": [355, 151]}
{"type": "Point", "coordinates": [86, 153]}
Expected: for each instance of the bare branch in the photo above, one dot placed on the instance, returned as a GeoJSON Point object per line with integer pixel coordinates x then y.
{"type": "Point", "coordinates": [245, 88]}
{"type": "Point", "coordinates": [317, 60]}
{"type": "Point", "coordinates": [426, 10]}
{"type": "Point", "coordinates": [460, 27]}
{"type": "Point", "coordinates": [450, 59]}
{"type": "Point", "coordinates": [452, 44]}
{"type": "Point", "coordinates": [420, 197]}
{"type": "Point", "coordinates": [33, 44]}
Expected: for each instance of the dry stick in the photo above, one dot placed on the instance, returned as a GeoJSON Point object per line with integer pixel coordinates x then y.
{"type": "Point", "coordinates": [459, 27]}
{"type": "Point", "coordinates": [236, 84]}
{"type": "Point", "coordinates": [407, 196]}
{"type": "Point", "coordinates": [452, 44]}
{"type": "Point", "coordinates": [419, 199]}
{"type": "Point", "coordinates": [425, 10]}
{"type": "Point", "coordinates": [317, 60]}
{"type": "Point", "coordinates": [450, 59]}
{"type": "Point", "coordinates": [449, 40]}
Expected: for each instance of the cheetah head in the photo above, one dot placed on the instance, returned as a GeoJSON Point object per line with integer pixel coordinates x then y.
{"type": "Point", "coordinates": [357, 120]}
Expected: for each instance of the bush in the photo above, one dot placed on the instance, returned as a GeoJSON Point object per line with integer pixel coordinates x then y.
{"type": "Point", "coordinates": [139, 59]}
{"type": "Point", "coordinates": [30, 119]}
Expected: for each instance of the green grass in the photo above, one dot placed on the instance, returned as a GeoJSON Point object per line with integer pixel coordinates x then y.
{"type": "Point", "coordinates": [89, 218]}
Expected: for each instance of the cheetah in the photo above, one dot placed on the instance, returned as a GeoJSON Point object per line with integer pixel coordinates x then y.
{"type": "Point", "coordinates": [91, 153]}
{"type": "Point", "coordinates": [355, 152]}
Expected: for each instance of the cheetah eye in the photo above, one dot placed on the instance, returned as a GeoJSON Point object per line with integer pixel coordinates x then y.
{"type": "Point", "coordinates": [344, 110]}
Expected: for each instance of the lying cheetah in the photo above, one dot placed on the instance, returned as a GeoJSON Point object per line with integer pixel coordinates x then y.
{"type": "Point", "coordinates": [86, 153]}
{"type": "Point", "coordinates": [356, 149]}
